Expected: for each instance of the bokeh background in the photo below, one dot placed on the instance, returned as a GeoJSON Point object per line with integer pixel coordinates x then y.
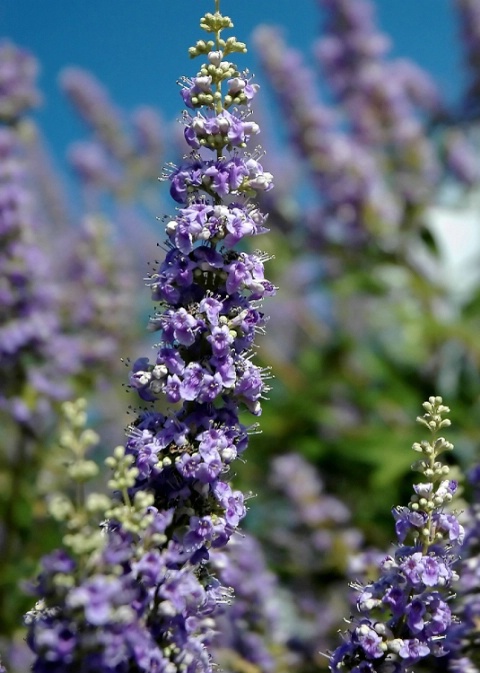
{"type": "Point", "coordinates": [133, 48]}
{"type": "Point", "coordinates": [375, 246]}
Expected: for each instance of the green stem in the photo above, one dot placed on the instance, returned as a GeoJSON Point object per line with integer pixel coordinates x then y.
{"type": "Point", "coordinates": [126, 497]}
{"type": "Point", "coordinates": [433, 458]}
{"type": "Point", "coordinates": [14, 537]}
{"type": "Point", "coordinates": [218, 85]}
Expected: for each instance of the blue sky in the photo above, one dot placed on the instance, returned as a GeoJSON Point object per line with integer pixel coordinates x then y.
{"type": "Point", "coordinates": [138, 48]}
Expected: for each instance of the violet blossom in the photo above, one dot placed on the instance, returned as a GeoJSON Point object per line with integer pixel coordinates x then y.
{"type": "Point", "coordinates": [210, 296]}
{"type": "Point", "coordinates": [464, 639]}
{"type": "Point", "coordinates": [252, 627]}
{"type": "Point", "coordinates": [405, 614]}
{"type": "Point", "coordinates": [346, 175]}
{"type": "Point", "coordinates": [381, 97]}
{"type": "Point", "coordinates": [31, 332]}
{"type": "Point", "coordinates": [141, 596]}
{"type": "Point", "coordinates": [123, 156]}
{"type": "Point", "coordinates": [18, 75]}
{"type": "Point", "coordinates": [468, 13]}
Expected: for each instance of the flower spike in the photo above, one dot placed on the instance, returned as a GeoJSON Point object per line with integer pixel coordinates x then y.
{"type": "Point", "coordinates": [405, 614]}
{"type": "Point", "coordinates": [144, 600]}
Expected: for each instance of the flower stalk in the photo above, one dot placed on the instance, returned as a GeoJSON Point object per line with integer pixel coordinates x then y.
{"type": "Point", "coordinates": [144, 599]}
{"type": "Point", "coordinates": [405, 614]}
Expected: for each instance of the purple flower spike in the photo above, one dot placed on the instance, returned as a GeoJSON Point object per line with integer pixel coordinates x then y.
{"type": "Point", "coordinates": [143, 600]}
{"type": "Point", "coordinates": [405, 614]}
{"type": "Point", "coordinates": [18, 74]}
{"type": "Point", "coordinates": [209, 296]}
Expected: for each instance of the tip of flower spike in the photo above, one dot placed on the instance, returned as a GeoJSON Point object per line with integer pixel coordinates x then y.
{"type": "Point", "coordinates": [214, 23]}
{"type": "Point", "coordinates": [433, 418]}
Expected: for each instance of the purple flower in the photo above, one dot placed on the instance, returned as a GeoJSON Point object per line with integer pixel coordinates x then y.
{"type": "Point", "coordinates": [192, 383]}
{"type": "Point", "coordinates": [413, 567]}
{"type": "Point", "coordinates": [415, 612]}
{"type": "Point", "coordinates": [150, 568]}
{"type": "Point", "coordinates": [143, 601]}
{"type": "Point", "coordinates": [37, 357]}
{"type": "Point", "coordinates": [92, 102]}
{"type": "Point", "coordinates": [413, 650]}
{"type": "Point", "coordinates": [18, 75]}
{"type": "Point", "coordinates": [405, 615]}
{"type": "Point", "coordinates": [97, 597]}
{"type": "Point", "coordinates": [369, 641]}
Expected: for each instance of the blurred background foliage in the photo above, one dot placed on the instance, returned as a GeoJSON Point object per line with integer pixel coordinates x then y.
{"type": "Point", "coordinates": [369, 319]}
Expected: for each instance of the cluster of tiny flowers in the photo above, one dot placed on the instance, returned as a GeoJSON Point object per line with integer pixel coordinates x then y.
{"type": "Point", "coordinates": [128, 610]}
{"type": "Point", "coordinates": [96, 302]}
{"type": "Point", "coordinates": [354, 47]}
{"type": "Point", "coordinates": [49, 334]}
{"type": "Point", "coordinates": [346, 173]}
{"type": "Point", "coordinates": [405, 614]}
{"type": "Point", "coordinates": [119, 156]}
{"type": "Point", "coordinates": [382, 98]}
{"type": "Point", "coordinates": [210, 312]}
{"type": "Point", "coordinates": [115, 598]}
{"type": "Point", "coordinates": [141, 597]}
{"type": "Point", "coordinates": [311, 535]}
{"type": "Point", "coordinates": [34, 358]}
{"type": "Point", "coordinates": [464, 641]}
{"type": "Point", "coordinates": [250, 627]}
{"type": "Point", "coordinates": [93, 103]}
{"type": "Point", "coordinates": [18, 74]}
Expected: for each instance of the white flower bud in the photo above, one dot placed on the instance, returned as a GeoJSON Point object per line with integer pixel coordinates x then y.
{"type": "Point", "coordinates": [198, 125]}
{"type": "Point", "coordinates": [159, 371]}
{"type": "Point", "coordinates": [228, 454]}
{"type": "Point", "coordinates": [224, 126]}
{"type": "Point", "coordinates": [204, 83]}
{"type": "Point", "coordinates": [156, 387]}
{"type": "Point", "coordinates": [251, 128]}
{"type": "Point", "coordinates": [215, 57]}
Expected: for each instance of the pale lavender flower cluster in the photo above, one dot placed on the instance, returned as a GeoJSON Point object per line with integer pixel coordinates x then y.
{"type": "Point", "coordinates": [95, 107]}
{"type": "Point", "coordinates": [392, 105]}
{"type": "Point", "coordinates": [251, 627]}
{"type": "Point", "coordinates": [405, 614]}
{"type": "Point", "coordinates": [118, 158]}
{"type": "Point", "coordinates": [347, 175]}
{"type": "Point", "coordinates": [50, 331]}
{"type": "Point", "coordinates": [372, 159]}
{"type": "Point", "coordinates": [125, 612]}
{"type": "Point", "coordinates": [353, 52]}
{"type": "Point", "coordinates": [18, 74]}
{"type": "Point", "coordinates": [63, 313]}
{"type": "Point", "coordinates": [464, 637]}
{"type": "Point", "coordinates": [384, 99]}
{"type": "Point", "coordinates": [309, 534]}
{"type": "Point", "coordinates": [30, 330]}
{"type": "Point", "coordinates": [469, 18]}
{"type": "Point", "coordinates": [324, 516]}
{"type": "Point", "coordinates": [120, 597]}
{"type": "Point", "coordinates": [96, 299]}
